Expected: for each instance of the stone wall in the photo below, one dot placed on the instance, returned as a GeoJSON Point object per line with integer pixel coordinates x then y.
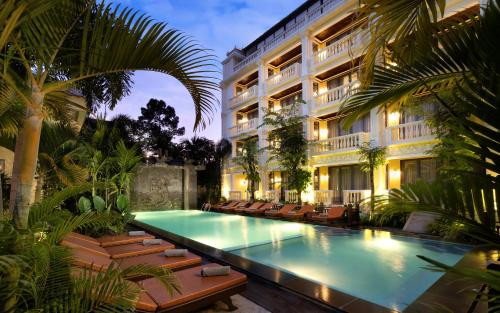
{"type": "Point", "coordinates": [160, 187]}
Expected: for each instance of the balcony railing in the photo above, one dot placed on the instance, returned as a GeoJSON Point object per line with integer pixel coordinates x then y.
{"type": "Point", "coordinates": [335, 95]}
{"type": "Point", "coordinates": [290, 73]}
{"type": "Point", "coordinates": [291, 196]}
{"type": "Point", "coordinates": [355, 196]}
{"type": "Point", "coordinates": [234, 195]}
{"type": "Point", "coordinates": [351, 141]}
{"type": "Point", "coordinates": [246, 95]}
{"type": "Point", "coordinates": [412, 131]}
{"type": "Point", "coordinates": [312, 15]}
{"type": "Point", "coordinates": [326, 197]}
{"type": "Point", "coordinates": [244, 127]}
{"type": "Point", "coordinates": [272, 195]}
{"type": "Point", "coordinates": [339, 47]}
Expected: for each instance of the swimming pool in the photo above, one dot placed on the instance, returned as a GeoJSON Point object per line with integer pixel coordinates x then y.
{"type": "Point", "coordinates": [372, 265]}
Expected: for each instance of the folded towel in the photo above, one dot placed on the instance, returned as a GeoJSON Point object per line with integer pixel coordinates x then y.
{"type": "Point", "coordinates": [176, 252]}
{"type": "Point", "coordinates": [149, 242]}
{"type": "Point", "coordinates": [215, 271]}
{"type": "Point", "coordinates": [137, 233]}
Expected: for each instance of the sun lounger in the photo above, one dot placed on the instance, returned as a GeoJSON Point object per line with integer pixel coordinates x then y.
{"type": "Point", "coordinates": [229, 209]}
{"type": "Point", "coordinates": [113, 240]}
{"type": "Point", "coordinates": [300, 212]}
{"type": "Point", "coordinates": [116, 252]}
{"type": "Point", "coordinates": [336, 213]}
{"type": "Point", "coordinates": [254, 206]}
{"type": "Point", "coordinates": [221, 204]}
{"type": "Point", "coordinates": [230, 205]}
{"type": "Point", "coordinates": [283, 211]}
{"type": "Point", "coordinates": [196, 291]}
{"type": "Point", "coordinates": [86, 259]}
{"type": "Point", "coordinates": [259, 211]}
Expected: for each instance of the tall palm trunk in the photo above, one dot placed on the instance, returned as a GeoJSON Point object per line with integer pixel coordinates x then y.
{"type": "Point", "coordinates": [25, 160]}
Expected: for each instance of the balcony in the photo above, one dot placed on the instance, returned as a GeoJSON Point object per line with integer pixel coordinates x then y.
{"type": "Point", "coordinates": [337, 49]}
{"type": "Point", "coordinates": [244, 127]}
{"type": "Point", "coordinates": [341, 143]}
{"type": "Point", "coordinates": [409, 132]}
{"type": "Point", "coordinates": [335, 96]}
{"type": "Point", "coordinates": [235, 195]}
{"type": "Point", "coordinates": [287, 75]}
{"type": "Point", "coordinates": [245, 96]}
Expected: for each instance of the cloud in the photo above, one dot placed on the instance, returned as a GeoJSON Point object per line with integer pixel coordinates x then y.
{"type": "Point", "coordinates": [219, 25]}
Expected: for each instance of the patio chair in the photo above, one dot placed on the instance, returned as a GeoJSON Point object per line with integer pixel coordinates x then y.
{"type": "Point", "coordinates": [281, 212]}
{"type": "Point", "coordinates": [197, 292]}
{"type": "Point", "coordinates": [259, 211]}
{"type": "Point", "coordinates": [219, 205]}
{"type": "Point", "coordinates": [299, 212]}
{"type": "Point", "coordinates": [230, 209]}
{"type": "Point", "coordinates": [112, 240]}
{"type": "Point", "coordinates": [116, 252]}
{"type": "Point", "coordinates": [254, 206]}
{"type": "Point", "coordinates": [335, 213]}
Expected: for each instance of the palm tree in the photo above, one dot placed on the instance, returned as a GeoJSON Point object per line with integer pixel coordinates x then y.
{"type": "Point", "coordinates": [371, 158]}
{"type": "Point", "coordinates": [249, 161]}
{"type": "Point", "coordinates": [74, 40]}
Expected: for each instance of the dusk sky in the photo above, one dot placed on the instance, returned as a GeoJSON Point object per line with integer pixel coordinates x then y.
{"type": "Point", "coordinates": [219, 25]}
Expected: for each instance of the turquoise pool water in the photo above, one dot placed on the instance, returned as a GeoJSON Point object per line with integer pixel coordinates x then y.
{"type": "Point", "coordinates": [373, 265]}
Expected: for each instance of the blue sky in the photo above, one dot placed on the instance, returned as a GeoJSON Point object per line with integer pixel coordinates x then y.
{"type": "Point", "coordinates": [219, 25]}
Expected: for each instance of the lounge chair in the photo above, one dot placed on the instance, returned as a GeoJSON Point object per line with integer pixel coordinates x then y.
{"type": "Point", "coordinates": [336, 213]}
{"type": "Point", "coordinates": [113, 240]}
{"type": "Point", "coordinates": [283, 211]}
{"type": "Point", "coordinates": [116, 252]}
{"type": "Point", "coordinates": [197, 292]}
{"type": "Point", "coordinates": [221, 204]}
{"type": "Point", "coordinates": [230, 205]}
{"type": "Point", "coordinates": [259, 211]}
{"type": "Point", "coordinates": [229, 209]}
{"type": "Point", "coordinates": [254, 206]}
{"type": "Point", "coordinates": [299, 212]}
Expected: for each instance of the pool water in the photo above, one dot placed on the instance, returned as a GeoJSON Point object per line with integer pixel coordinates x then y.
{"type": "Point", "coordinates": [372, 265]}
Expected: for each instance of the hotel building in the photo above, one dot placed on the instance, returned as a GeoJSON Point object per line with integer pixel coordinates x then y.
{"type": "Point", "coordinates": [313, 54]}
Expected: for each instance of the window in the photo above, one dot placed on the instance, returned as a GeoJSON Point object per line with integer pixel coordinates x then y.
{"type": "Point", "coordinates": [316, 131]}
{"type": "Point", "coordinates": [253, 114]}
{"type": "Point", "coordinates": [418, 169]}
{"type": "Point", "coordinates": [349, 177]}
{"type": "Point", "coordinates": [271, 184]}
{"type": "Point", "coordinates": [316, 179]}
{"type": "Point", "coordinates": [416, 114]}
{"type": "Point", "coordinates": [289, 100]}
{"type": "Point", "coordinates": [336, 127]}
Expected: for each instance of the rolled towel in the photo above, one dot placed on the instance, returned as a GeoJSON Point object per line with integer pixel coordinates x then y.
{"type": "Point", "coordinates": [215, 271]}
{"type": "Point", "coordinates": [149, 242]}
{"type": "Point", "coordinates": [137, 233]}
{"type": "Point", "coordinates": [176, 252]}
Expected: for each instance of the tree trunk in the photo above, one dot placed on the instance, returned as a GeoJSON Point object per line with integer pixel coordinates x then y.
{"type": "Point", "coordinates": [252, 191]}
{"type": "Point", "coordinates": [25, 160]}
{"type": "Point", "coordinates": [1, 195]}
{"type": "Point", "coordinates": [299, 197]}
{"type": "Point", "coordinates": [372, 193]}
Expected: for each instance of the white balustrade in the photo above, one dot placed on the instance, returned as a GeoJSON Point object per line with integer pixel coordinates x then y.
{"type": "Point", "coordinates": [291, 196]}
{"type": "Point", "coordinates": [340, 46]}
{"type": "Point", "coordinates": [336, 95]}
{"type": "Point", "coordinates": [235, 195]}
{"type": "Point", "coordinates": [244, 96]}
{"type": "Point", "coordinates": [412, 131]}
{"type": "Point", "coordinates": [288, 74]}
{"type": "Point", "coordinates": [351, 141]}
{"type": "Point", "coordinates": [244, 127]}
{"type": "Point", "coordinates": [324, 196]}
{"type": "Point", "coordinates": [272, 195]}
{"type": "Point", "coordinates": [355, 196]}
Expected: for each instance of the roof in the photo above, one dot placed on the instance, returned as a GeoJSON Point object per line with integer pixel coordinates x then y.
{"type": "Point", "coordinates": [302, 8]}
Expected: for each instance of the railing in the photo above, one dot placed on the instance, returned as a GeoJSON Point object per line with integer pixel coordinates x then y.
{"type": "Point", "coordinates": [234, 195]}
{"type": "Point", "coordinates": [340, 46]}
{"type": "Point", "coordinates": [409, 132]}
{"type": "Point", "coordinates": [244, 127]}
{"type": "Point", "coordinates": [341, 142]}
{"type": "Point", "coordinates": [326, 196]}
{"type": "Point", "coordinates": [291, 196]}
{"type": "Point", "coordinates": [272, 195]}
{"type": "Point", "coordinates": [247, 60]}
{"type": "Point", "coordinates": [244, 96]}
{"type": "Point", "coordinates": [287, 74]}
{"type": "Point", "coordinates": [355, 196]}
{"type": "Point", "coordinates": [286, 34]}
{"type": "Point", "coordinates": [336, 94]}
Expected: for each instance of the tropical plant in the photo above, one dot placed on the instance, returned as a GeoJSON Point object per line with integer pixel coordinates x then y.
{"type": "Point", "coordinates": [37, 275]}
{"type": "Point", "coordinates": [371, 158]}
{"type": "Point", "coordinates": [454, 63]}
{"type": "Point", "coordinates": [288, 145]}
{"type": "Point", "coordinates": [39, 65]}
{"type": "Point", "coordinates": [199, 150]}
{"type": "Point", "coordinates": [249, 161]}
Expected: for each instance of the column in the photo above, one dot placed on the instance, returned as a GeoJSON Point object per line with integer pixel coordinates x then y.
{"type": "Point", "coordinates": [261, 131]}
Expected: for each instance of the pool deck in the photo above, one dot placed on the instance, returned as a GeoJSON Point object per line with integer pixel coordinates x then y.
{"type": "Point", "coordinates": [448, 290]}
